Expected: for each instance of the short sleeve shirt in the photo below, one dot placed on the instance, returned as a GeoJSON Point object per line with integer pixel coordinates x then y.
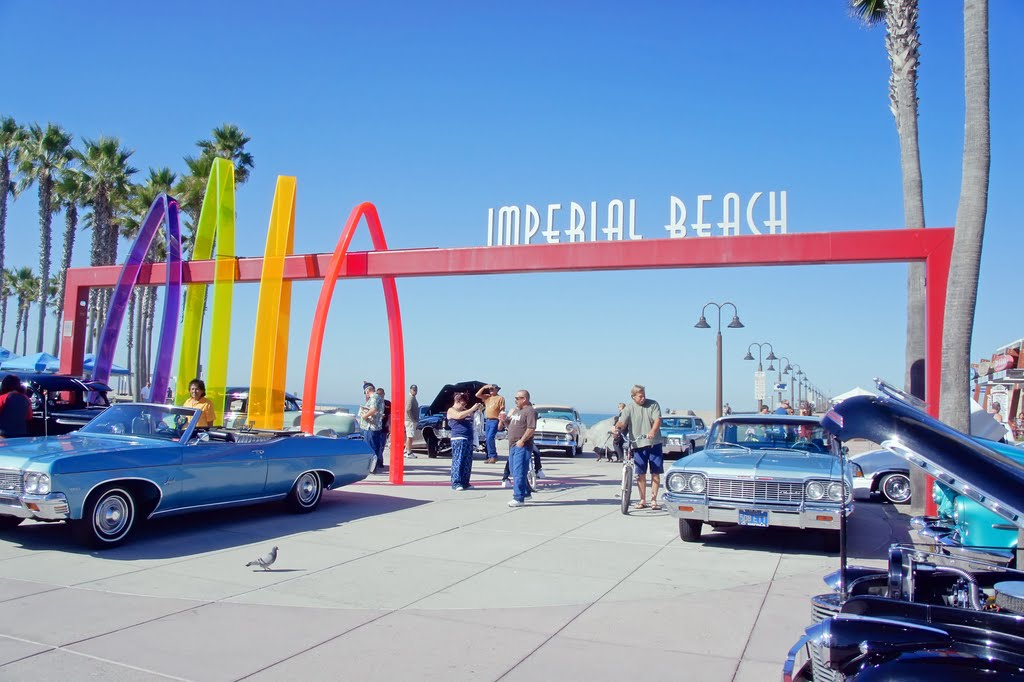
{"type": "Point", "coordinates": [412, 409]}
{"type": "Point", "coordinates": [205, 407]}
{"type": "Point", "coordinates": [15, 413]}
{"type": "Point", "coordinates": [639, 419]}
{"type": "Point", "coordinates": [375, 421]}
{"type": "Point", "coordinates": [519, 420]}
{"type": "Point", "coordinates": [494, 406]}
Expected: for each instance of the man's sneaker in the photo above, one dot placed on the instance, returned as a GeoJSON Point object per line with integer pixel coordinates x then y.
{"type": "Point", "coordinates": [506, 483]}
{"type": "Point", "coordinates": [459, 488]}
{"type": "Point", "coordinates": [516, 503]}
{"type": "Point", "coordinates": [412, 455]}
{"type": "Point", "coordinates": [541, 474]}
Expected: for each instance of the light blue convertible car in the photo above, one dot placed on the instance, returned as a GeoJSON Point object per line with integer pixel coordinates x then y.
{"type": "Point", "coordinates": [761, 470]}
{"type": "Point", "coordinates": [136, 461]}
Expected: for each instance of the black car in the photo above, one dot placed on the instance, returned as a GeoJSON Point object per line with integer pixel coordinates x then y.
{"type": "Point", "coordinates": [62, 403]}
{"type": "Point", "coordinates": [928, 615]}
{"type": "Point", "coordinates": [433, 422]}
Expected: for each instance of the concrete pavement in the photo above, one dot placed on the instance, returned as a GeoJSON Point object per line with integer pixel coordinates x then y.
{"type": "Point", "coordinates": [420, 582]}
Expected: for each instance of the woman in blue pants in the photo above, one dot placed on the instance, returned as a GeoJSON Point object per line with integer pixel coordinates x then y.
{"type": "Point", "coordinates": [460, 421]}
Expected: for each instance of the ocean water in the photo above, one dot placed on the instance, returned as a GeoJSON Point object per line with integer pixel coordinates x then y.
{"type": "Point", "coordinates": [591, 418]}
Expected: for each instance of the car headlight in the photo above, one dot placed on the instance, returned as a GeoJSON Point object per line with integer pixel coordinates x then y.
{"type": "Point", "coordinates": [858, 470]}
{"type": "Point", "coordinates": [37, 483]}
{"type": "Point", "coordinates": [815, 490]}
{"type": "Point", "coordinates": [835, 492]}
{"type": "Point", "coordinates": [676, 482]}
{"type": "Point", "coordinates": [570, 428]}
{"type": "Point", "coordinates": [697, 483]}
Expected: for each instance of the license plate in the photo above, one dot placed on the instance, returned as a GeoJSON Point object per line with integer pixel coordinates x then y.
{"type": "Point", "coordinates": [753, 518]}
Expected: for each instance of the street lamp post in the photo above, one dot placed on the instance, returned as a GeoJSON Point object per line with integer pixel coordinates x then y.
{"type": "Point", "coordinates": [797, 373]}
{"type": "Point", "coordinates": [771, 356]}
{"type": "Point", "coordinates": [783, 369]}
{"type": "Point", "coordinates": [702, 323]}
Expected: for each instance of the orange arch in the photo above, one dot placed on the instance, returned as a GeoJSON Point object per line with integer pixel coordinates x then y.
{"type": "Point", "coordinates": [316, 337]}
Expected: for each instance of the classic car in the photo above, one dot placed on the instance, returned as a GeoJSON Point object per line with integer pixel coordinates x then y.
{"type": "Point", "coordinates": [926, 615]}
{"type": "Point", "coordinates": [683, 434]}
{"type": "Point", "coordinates": [138, 461]}
{"type": "Point", "coordinates": [433, 424]}
{"type": "Point", "coordinates": [884, 473]}
{"type": "Point", "coordinates": [62, 403]}
{"type": "Point", "coordinates": [760, 470]}
{"type": "Point", "coordinates": [334, 422]}
{"type": "Point", "coordinates": [559, 426]}
{"type": "Point", "coordinates": [964, 526]}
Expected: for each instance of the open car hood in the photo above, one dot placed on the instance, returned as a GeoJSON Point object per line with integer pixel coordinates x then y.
{"type": "Point", "coordinates": [444, 397]}
{"type": "Point", "coordinates": [981, 470]}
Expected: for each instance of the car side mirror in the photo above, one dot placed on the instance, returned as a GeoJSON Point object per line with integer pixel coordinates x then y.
{"type": "Point", "coordinates": [201, 437]}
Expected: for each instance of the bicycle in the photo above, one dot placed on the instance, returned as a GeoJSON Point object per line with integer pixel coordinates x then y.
{"type": "Point", "coordinates": [628, 472]}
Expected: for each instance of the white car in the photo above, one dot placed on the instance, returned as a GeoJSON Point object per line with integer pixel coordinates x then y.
{"type": "Point", "coordinates": [559, 426]}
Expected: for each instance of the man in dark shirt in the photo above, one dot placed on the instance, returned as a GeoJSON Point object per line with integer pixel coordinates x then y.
{"type": "Point", "coordinates": [15, 408]}
{"type": "Point", "coordinates": [522, 423]}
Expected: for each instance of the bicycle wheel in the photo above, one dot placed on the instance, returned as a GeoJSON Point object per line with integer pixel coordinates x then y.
{"type": "Point", "coordinates": [531, 477]}
{"type": "Point", "coordinates": [627, 487]}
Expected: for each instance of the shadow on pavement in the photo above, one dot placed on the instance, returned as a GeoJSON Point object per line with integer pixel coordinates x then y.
{"type": "Point", "coordinates": [188, 535]}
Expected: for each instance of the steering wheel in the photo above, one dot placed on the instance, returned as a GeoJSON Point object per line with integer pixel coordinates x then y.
{"type": "Point", "coordinates": [806, 445]}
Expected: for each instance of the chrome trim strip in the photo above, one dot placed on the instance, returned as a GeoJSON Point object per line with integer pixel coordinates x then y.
{"type": "Point", "coordinates": [226, 503]}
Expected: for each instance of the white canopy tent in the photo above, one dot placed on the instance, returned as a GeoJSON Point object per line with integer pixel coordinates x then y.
{"type": "Point", "coordinates": [850, 394]}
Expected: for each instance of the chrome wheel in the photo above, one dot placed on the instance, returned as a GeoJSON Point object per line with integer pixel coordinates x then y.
{"type": "Point", "coordinates": [306, 493]}
{"type": "Point", "coordinates": [896, 488]}
{"type": "Point", "coordinates": [107, 520]}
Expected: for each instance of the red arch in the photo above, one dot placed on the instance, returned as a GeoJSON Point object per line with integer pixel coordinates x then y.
{"type": "Point", "coordinates": [316, 337]}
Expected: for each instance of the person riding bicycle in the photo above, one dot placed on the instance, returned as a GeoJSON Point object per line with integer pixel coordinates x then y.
{"type": "Point", "coordinates": [642, 417]}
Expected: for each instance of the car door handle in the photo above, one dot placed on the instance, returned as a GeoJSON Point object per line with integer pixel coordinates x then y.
{"type": "Point", "coordinates": [257, 452]}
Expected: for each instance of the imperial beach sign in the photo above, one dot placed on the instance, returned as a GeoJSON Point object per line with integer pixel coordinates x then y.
{"type": "Point", "coordinates": [761, 213]}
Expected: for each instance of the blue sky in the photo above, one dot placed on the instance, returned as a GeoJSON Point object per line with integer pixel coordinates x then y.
{"type": "Point", "coordinates": [437, 112]}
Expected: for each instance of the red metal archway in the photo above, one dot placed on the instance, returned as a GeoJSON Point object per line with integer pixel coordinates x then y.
{"type": "Point", "coordinates": [932, 246]}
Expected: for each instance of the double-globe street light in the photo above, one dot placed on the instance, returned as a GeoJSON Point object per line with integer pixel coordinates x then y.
{"type": "Point", "coordinates": [760, 367]}
{"type": "Point", "coordinates": [702, 323]}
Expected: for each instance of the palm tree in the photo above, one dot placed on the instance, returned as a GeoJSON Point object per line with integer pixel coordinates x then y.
{"type": "Point", "coordinates": [26, 288]}
{"type": "Point", "coordinates": [11, 135]}
{"type": "Point", "coordinates": [107, 186]}
{"type": "Point", "coordinates": [190, 192]}
{"type": "Point", "coordinates": [70, 194]}
{"type": "Point", "coordinates": [903, 45]}
{"type": "Point", "coordinates": [962, 289]}
{"type": "Point", "coordinates": [229, 142]}
{"type": "Point", "coordinates": [7, 288]}
{"type": "Point", "coordinates": [43, 157]}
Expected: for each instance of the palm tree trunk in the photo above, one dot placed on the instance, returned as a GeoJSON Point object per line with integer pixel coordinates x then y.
{"type": "Point", "coordinates": [140, 368]}
{"type": "Point", "coordinates": [5, 183]}
{"type": "Point", "coordinates": [45, 246]}
{"type": "Point", "coordinates": [962, 290]}
{"type": "Point", "coordinates": [70, 226]}
{"type": "Point", "coordinates": [133, 386]}
{"type": "Point", "coordinates": [151, 310]}
{"type": "Point", "coordinates": [17, 326]}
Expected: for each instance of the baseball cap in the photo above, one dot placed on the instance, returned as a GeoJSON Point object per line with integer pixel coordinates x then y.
{"type": "Point", "coordinates": [415, 387]}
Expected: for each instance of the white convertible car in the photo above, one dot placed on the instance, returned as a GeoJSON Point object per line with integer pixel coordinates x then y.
{"type": "Point", "coordinates": [559, 427]}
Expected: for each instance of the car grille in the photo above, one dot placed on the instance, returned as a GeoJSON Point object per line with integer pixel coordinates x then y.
{"type": "Point", "coordinates": [552, 435]}
{"type": "Point", "coordinates": [755, 491]}
{"type": "Point", "coordinates": [822, 606]}
{"type": "Point", "coordinates": [10, 482]}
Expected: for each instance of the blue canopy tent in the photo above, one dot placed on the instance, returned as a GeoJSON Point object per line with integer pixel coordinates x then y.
{"type": "Point", "coordinates": [89, 364]}
{"type": "Point", "coordinates": [36, 362]}
{"type": "Point", "coordinates": [7, 354]}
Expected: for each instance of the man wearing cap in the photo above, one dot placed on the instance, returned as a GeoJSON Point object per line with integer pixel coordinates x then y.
{"type": "Point", "coordinates": [494, 405]}
{"type": "Point", "coordinates": [412, 415]}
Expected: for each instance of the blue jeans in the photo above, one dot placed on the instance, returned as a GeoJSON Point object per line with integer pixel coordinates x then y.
{"type": "Point", "coordinates": [519, 459]}
{"type": "Point", "coordinates": [376, 442]}
{"type": "Point", "coordinates": [490, 433]}
{"type": "Point", "coordinates": [462, 462]}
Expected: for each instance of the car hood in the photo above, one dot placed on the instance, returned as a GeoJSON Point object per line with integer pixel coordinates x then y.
{"type": "Point", "coordinates": [553, 422]}
{"type": "Point", "coordinates": [445, 396]}
{"type": "Point", "coordinates": [75, 452]}
{"type": "Point", "coordinates": [989, 473]}
{"type": "Point", "coordinates": [736, 463]}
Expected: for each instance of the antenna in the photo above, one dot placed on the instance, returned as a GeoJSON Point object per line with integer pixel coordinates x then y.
{"type": "Point", "coordinates": [842, 523]}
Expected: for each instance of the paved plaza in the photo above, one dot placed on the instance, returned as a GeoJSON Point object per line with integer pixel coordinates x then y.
{"type": "Point", "coordinates": [419, 582]}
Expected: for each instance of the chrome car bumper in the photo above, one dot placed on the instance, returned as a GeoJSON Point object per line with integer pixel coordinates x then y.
{"type": "Point", "coordinates": [52, 507]}
{"type": "Point", "coordinates": [554, 441]}
{"type": "Point", "coordinates": [820, 517]}
{"type": "Point", "coordinates": [672, 445]}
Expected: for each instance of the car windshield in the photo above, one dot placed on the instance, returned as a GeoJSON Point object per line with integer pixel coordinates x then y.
{"type": "Point", "coordinates": [809, 437]}
{"type": "Point", "coordinates": [677, 422]}
{"type": "Point", "coordinates": [553, 413]}
{"type": "Point", "coordinates": [160, 422]}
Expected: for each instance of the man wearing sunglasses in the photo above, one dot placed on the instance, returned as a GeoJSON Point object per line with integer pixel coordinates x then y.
{"type": "Point", "coordinates": [522, 423]}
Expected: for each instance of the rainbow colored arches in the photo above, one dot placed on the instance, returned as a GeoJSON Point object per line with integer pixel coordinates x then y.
{"type": "Point", "coordinates": [316, 337]}
{"type": "Point", "coordinates": [162, 207]}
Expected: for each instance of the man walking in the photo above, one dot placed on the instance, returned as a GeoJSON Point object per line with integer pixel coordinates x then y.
{"type": "Point", "coordinates": [643, 419]}
{"type": "Point", "coordinates": [522, 423]}
{"type": "Point", "coordinates": [371, 415]}
{"type": "Point", "coordinates": [494, 405]}
{"type": "Point", "coordinates": [412, 415]}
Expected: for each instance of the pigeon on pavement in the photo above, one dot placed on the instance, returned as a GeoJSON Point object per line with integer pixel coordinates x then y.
{"type": "Point", "coordinates": [265, 561]}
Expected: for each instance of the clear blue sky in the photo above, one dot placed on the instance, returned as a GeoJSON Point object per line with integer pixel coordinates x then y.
{"type": "Point", "coordinates": [438, 111]}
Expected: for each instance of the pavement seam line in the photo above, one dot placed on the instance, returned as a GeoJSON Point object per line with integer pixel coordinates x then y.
{"type": "Point", "coordinates": [51, 647]}
{"type": "Point", "coordinates": [767, 591]}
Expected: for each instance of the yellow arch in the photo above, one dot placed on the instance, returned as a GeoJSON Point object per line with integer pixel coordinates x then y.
{"type": "Point", "coordinates": [270, 348]}
{"type": "Point", "coordinates": [216, 225]}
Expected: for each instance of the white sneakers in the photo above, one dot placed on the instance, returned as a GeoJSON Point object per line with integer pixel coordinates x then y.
{"type": "Point", "coordinates": [516, 503]}
{"type": "Point", "coordinates": [411, 455]}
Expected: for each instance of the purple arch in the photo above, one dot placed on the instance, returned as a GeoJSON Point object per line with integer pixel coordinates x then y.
{"type": "Point", "coordinates": [163, 206]}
